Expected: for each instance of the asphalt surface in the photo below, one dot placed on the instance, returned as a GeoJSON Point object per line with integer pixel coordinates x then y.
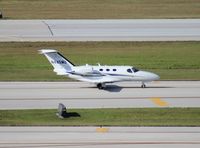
{"type": "Point", "coordinates": [95, 137]}
{"type": "Point", "coordinates": [41, 95]}
{"type": "Point", "coordinates": [101, 30]}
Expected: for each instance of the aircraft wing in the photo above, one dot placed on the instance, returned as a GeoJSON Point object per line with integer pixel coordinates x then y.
{"type": "Point", "coordinates": [98, 79]}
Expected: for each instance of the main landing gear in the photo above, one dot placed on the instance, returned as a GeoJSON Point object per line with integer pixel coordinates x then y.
{"type": "Point", "coordinates": [101, 85]}
{"type": "Point", "coordinates": [143, 85]}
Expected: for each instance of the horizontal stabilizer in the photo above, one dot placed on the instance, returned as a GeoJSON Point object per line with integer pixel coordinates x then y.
{"type": "Point", "coordinates": [43, 51]}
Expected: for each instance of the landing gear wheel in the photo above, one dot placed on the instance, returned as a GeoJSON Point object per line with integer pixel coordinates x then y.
{"type": "Point", "coordinates": [100, 86]}
{"type": "Point", "coordinates": [143, 85]}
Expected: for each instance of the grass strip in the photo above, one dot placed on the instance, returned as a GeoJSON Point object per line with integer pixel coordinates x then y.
{"type": "Point", "coordinates": [106, 117]}
{"type": "Point", "coordinates": [95, 9]}
{"type": "Point", "coordinates": [20, 61]}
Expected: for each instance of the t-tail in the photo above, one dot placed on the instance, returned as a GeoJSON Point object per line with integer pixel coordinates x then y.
{"type": "Point", "coordinates": [59, 62]}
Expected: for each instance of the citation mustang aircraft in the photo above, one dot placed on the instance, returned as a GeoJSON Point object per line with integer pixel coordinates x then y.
{"type": "Point", "coordinates": [99, 75]}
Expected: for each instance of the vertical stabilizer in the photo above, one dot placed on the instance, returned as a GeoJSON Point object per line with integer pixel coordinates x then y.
{"type": "Point", "coordinates": [59, 62]}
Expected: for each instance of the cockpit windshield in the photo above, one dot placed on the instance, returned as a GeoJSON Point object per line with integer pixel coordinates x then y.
{"type": "Point", "coordinates": [135, 69]}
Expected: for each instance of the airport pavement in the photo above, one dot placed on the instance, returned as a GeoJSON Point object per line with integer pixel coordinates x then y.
{"type": "Point", "coordinates": [42, 95]}
{"type": "Point", "coordinates": [101, 30]}
{"type": "Point", "coordinates": [96, 137]}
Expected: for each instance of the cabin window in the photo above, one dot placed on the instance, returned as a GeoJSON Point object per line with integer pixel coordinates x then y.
{"type": "Point", "coordinates": [100, 69]}
{"type": "Point", "coordinates": [129, 70]}
{"type": "Point", "coordinates": [114, 69]}
{"type": "Point", "coordinates": [107, 69]}
{"type": "Point", "coordinates": [135, 70]}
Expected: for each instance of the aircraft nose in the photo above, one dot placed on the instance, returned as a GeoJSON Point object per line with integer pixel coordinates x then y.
{"type": "Point", "coordinates": [154, 76]}
{"type": "Point", "coordinates": [151, 76]}
{"type": "Point", "coordinates": [147, 76]}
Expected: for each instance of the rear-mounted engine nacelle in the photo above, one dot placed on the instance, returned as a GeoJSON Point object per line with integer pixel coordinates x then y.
{"type": "Point", "coordinates": [83, 70]}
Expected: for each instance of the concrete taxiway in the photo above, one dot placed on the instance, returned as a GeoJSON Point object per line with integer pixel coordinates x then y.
{"type": "Point", "coordinates": [95, 137]}
{"type": "Point", "coordinates": [38, 95]}
{"type": "Point", "coordinates": [101, 30]}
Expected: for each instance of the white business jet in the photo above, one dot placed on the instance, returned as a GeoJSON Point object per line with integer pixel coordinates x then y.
{"type": "Point", "coordinates": [99, 75]}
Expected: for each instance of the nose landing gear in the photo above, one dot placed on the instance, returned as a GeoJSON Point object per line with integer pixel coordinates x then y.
{"type": "Point", "coordinates": [143, 85]}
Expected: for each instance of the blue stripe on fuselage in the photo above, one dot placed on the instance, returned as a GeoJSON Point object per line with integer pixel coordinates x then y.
{"type": "Point", "coordinates": [102, 74]}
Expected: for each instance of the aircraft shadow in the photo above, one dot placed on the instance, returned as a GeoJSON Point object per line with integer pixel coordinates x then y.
{"type": "Point", "coordinates": [113, 88]}
{"type": "Point", "coordinates": [70, 114]}
{"type": "Point", "coordinates": [116, 88]}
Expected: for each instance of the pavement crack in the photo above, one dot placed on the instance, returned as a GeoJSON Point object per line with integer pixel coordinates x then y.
{"type": "Point", "coordinates": [50, 30]}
